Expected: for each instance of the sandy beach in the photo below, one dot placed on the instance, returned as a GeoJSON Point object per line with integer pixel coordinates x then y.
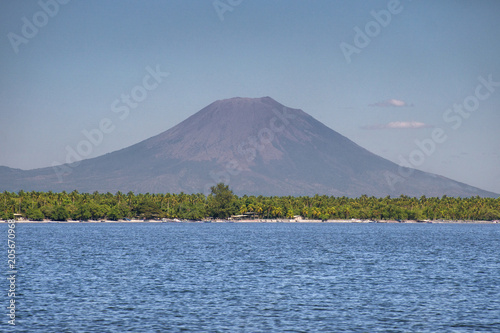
{"type": "Point", "coordinates": [262, 221]}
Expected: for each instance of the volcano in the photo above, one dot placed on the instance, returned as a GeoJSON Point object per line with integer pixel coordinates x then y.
{"type": "Point", "coordinates": [257, 146]}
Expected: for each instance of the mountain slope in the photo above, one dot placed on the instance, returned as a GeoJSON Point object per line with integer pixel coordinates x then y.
{"type": "Point", "coordinates": [256, 145]}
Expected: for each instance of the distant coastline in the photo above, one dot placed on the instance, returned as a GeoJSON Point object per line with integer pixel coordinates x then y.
{"type": "Point", "coordinates": [223, 205]}
{"type": "Point", "coordinates": [269, 221]}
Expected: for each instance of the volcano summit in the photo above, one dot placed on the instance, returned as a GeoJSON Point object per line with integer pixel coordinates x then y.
{"type": "Point", "coordinates": [255, 145]}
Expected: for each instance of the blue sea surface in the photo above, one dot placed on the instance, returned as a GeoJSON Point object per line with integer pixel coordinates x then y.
{"type": "Point", "coordinates": [255, 277]}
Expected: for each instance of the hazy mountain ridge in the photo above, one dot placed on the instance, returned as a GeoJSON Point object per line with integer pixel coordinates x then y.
{"type": "Point", "coordinates": [256, 145]}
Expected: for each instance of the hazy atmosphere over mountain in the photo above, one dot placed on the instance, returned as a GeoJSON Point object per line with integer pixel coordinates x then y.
{"type": "Point", "coordinates": [256, 145]}
{"type": "Point", "coordinates": [415, 82]}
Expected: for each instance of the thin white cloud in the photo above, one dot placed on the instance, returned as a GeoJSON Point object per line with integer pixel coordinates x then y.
{"type": "Point", "coordinates": [391, 103]}
{"type": "Point", "coordinates": [398, 125]}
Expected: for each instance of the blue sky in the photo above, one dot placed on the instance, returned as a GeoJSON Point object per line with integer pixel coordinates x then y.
{"type": "Point", "coordinates": [399, 87]}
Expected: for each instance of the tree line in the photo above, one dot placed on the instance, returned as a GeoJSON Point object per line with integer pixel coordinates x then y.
{"type": "Point", "coordinates": [222, 203]}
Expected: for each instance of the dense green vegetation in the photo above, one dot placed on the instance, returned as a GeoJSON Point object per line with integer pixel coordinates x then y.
{"type": "Point", "coordinates": [222, 203]}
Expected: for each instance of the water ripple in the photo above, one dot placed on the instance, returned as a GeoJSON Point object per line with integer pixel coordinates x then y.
{"type": "Point", "coordinates": [258, 278]}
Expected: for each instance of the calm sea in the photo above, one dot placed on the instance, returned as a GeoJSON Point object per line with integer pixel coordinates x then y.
{"type": "Point", "coordinates": [255, 277]}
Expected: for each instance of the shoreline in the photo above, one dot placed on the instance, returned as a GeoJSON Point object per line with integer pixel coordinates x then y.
{"type": "Point", "coordinates": [168, 221]}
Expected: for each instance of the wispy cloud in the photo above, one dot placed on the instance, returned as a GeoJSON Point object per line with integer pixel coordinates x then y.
{"type": "Point", "coordinates": [392, 103]}
{"type": "Point", "coordinates": [398, 125]}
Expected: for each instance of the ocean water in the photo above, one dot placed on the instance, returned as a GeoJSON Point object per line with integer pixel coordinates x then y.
{"type": "Point", "coordinates": [262, 277]}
